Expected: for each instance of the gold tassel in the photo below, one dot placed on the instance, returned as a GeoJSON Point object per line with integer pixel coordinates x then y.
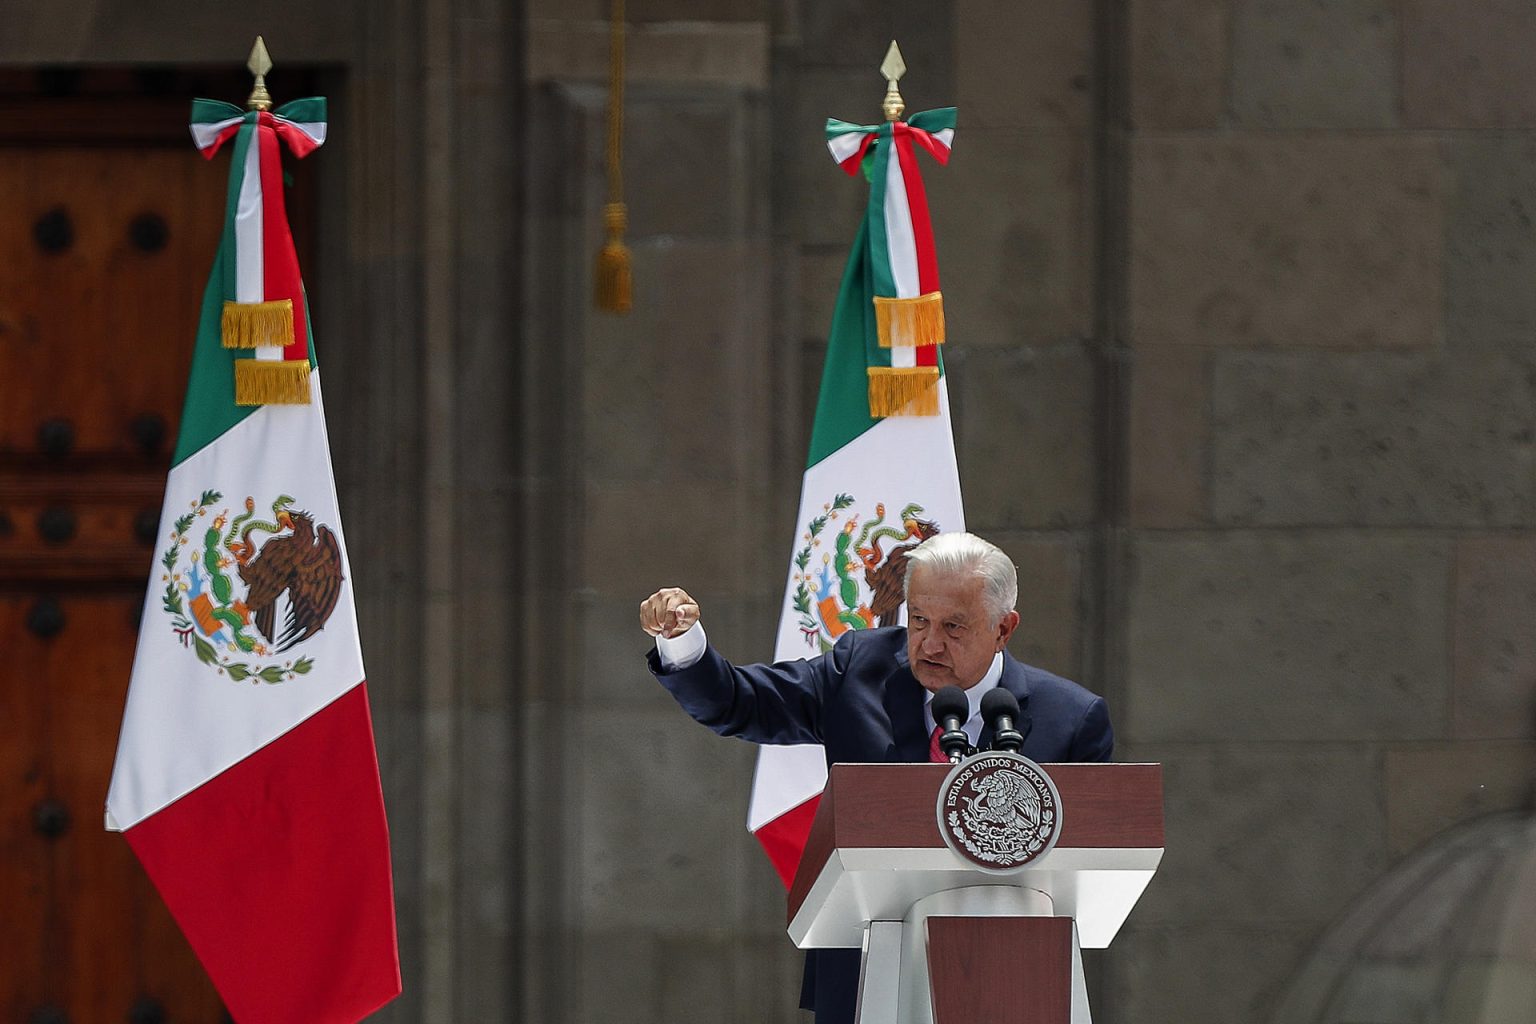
{"type": "Point", "coordinates": [272, 382]}
{"type": "Point", "coordinates": [903, 390]}
{"type": "Point", "coordinates": [612, 285]}
{"type": "Point", "coordinates": [913, 322]}
{"type": "Point", "coordinates": [257, 324]}
{"type": "Point", "coordinates": [612, 275]}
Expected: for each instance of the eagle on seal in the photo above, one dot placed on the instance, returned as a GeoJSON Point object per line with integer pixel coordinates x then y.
{"type": "Point", "coordinates": [306, 563]}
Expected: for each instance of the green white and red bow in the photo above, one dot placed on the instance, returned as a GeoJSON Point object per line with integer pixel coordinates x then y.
{"type": "Point", "coordinates": [264, 312]}
{"type": "Point", "coordinates": [900, 267]}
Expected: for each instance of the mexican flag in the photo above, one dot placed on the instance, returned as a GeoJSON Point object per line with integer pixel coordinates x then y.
{"type": "Point", "coordinates": [881, 474]}
{"type": "Point", "coordinates": [246, 780]}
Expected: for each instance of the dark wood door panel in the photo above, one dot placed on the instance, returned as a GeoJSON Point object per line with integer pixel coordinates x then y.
{"type": "Point", "coordinates": [99, 302]}
{"type": "Point", "coordinates": [85, 931]}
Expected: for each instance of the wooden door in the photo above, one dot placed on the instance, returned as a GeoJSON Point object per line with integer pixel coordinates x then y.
{"type": "Point", "coordinates": [108, 224]}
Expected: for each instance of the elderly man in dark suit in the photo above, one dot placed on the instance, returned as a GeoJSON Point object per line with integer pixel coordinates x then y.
{"type": "Point", "coordinates": [867, 699]}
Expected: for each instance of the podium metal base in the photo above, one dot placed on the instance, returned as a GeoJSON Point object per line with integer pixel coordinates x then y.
{"type": "Point", "coordinates": [896, 979]}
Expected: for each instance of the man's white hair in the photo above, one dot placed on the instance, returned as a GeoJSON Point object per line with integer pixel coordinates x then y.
{"type": "Point", "coordinates": [959, 554]}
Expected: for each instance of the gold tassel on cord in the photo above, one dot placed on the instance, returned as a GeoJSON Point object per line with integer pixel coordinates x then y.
{"type": "Point", "coordinates": [613, 278]}
{"type": "Point", "coordinates": [613, 284]}
{"type": "Point", "coordinates": [910, 322]}
{"type": "Point", "coordinates": [257, 324]}
{"type": "Point", "coordinates": [272, 382]}
{"type": "Point", "coordinates": [903, 390]}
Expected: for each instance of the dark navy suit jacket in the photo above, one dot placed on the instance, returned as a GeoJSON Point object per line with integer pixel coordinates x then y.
{"type": "Point", "coordinates": [862, 703]}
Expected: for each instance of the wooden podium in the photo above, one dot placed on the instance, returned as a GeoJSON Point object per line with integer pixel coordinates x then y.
{"type": "Point", "coordinates": [946, 942]}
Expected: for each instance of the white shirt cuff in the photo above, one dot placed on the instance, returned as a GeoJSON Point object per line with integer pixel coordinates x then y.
{"type": "Point", "coordinates": [682, 651]}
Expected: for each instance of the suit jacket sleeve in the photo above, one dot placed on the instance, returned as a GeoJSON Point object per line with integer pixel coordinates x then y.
{"type": "Point", "coordinates": [779, 703]}
{"type": "Point", "coordinates": [1094, 738]}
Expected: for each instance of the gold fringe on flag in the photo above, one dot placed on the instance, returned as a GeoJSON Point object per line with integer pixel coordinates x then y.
{"type": "Point", "coordinates": [257, 324]}
{"type": "Point", "coordinates": [918, 321]}
{"type": "Point", "coordinates": [272, 382]}
{"type": "Point", "coordinates": [903, 390]}
{"type": "Point", "coordinates": [613, 285]}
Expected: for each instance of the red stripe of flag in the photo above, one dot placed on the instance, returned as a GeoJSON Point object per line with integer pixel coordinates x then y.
{"type": "Point", "coordinates": [783, 839]}
{"type": "Point", "coordinates": [280, 263]}
{"type": "Point", "coordinates": [922, 228]}
{"type": "Point", "coordinates": [917, 205]}
{"type": "Point", "coordinates": [277, 870]}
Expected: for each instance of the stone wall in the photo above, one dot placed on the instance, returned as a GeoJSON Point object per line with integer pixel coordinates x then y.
{"type": "Point", "coordinates": [1326, 536]}
{"type": "Point", "coordinates": [1240, 329]}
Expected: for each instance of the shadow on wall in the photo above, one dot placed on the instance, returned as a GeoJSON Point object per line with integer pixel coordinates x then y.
{"type": "Point", "coordinates": [1449, 937]}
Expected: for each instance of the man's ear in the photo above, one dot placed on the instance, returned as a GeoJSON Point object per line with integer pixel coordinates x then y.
{"type": "Point", "coordinates": [1005, 628]}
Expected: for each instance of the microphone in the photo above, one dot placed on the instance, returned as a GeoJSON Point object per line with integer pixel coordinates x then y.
{"type": "Point", "coordinates": [950, 710]}
{"type": "Point", "coordinates": [1000, 710]}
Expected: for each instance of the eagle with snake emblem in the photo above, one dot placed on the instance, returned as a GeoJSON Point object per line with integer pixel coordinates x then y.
{"type": "Point", "coordinates": [305, 563]}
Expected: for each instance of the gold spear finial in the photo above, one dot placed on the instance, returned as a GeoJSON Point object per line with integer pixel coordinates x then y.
{"type": "Point", "coordinates": [259, 64]}
{"type": "Point", "coordinates": [893, 67]}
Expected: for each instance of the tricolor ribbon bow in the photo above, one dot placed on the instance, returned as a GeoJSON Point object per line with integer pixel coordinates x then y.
{"type": "Point", "coordinates": [263, 312]}
{"type": "Point", "coordinates": [901, 270]}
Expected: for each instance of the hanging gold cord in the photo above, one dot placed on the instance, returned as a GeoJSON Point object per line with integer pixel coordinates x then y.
{"type": "Point", "coordinates": [612, 281]}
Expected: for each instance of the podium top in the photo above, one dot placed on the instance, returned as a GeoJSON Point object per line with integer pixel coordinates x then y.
{"type": "Point", "coordinates": [875, 843]}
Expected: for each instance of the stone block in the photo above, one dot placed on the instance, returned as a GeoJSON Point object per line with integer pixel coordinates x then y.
{"type": "Point", "coordinates": [851, 34]}
{"type": "Point", "coordinates": [572, 44]}
{"type": "Point", "coordinates": [1169, 442]}
{"type": "Point", "coordinates": [1024, 65]}
{"type": "Point", "coordinates": [1315, 65]}
{"type": "Point", "coordinates": [767, 970]}
{"type": "Point", "coordinates": [1433, 787]}
{"type": "Point", "coordinates": [568, 11]}
{"type": "Point", "coordinates": [1491, 989]}
{"type": "Point", "coordinates": [1248, 828]}
{"type": "Point", "coordinates": [821, 275]}
{"type": "Point", "coordinates": [618, 977]}
{"type": "Point", "coordinates": [1051, 600]}
{"type": "Point", "coordinates": [1180, 51]}
{"type": "Point", "coordinates": [821, 204]}
{"type": "Point", "coordinates": [485, 652]}
{"type": "Point", "coordinates": [1205, 972]}
{"type": "Point", "coordinates": [1373, 440]}
{"type": "Point", "coordinates": [488, 559]}
{"type": "Point", "coordinates": [1468, 66]}
{"type": "Point", "coordinates": [697, 982]}
{"type": "Point", "coordinates": [1494, 671]}
{"type": "Point", "coordinates": [683, 173]}
{"type": "Point", "coordinates": [729, 542]}
{"type": "Point", "coordinates": [675, 389]}
{"type": "Point", "coordinates": [702, 11]}
{"type": "Point", "coordinates": [659, 829]}
{"type": "Point", "coordinates": [1280, 636]}
{"type": "Point", "coordinates": [1490, 248]}
{"type": "Point", "coordinates": [796, 436]}
{"type": "Point", "coordinates": [483, 851]}
{"type": "Point", "coordinates": [166, 32]}
{"type": "Point", "coordinates": [1023, 422]}
{"type": "Point", "coordinates": [1013, 228]}
{"type": "Point", "coordinates": [1316, 241]}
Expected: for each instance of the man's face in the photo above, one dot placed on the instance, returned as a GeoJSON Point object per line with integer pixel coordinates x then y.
{"type": "Point", "coordinates": [951, 635]}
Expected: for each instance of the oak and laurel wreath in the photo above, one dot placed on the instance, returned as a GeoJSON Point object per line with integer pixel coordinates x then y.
{"type": "Point", "coordinates": [206, 653]}
{"type": "Point", "coordinates": [1005, 845]}
{"type": "Point", "coordinates": [802, 599]}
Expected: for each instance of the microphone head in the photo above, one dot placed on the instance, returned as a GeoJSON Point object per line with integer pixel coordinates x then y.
{"type": "Point", "coordinates": [950, 702]}
{"type": "Point", "coordinates": [998, 701]}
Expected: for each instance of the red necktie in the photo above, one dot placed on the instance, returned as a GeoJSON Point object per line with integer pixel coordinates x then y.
{"type": "Point", "coordinates": [935, 752]}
